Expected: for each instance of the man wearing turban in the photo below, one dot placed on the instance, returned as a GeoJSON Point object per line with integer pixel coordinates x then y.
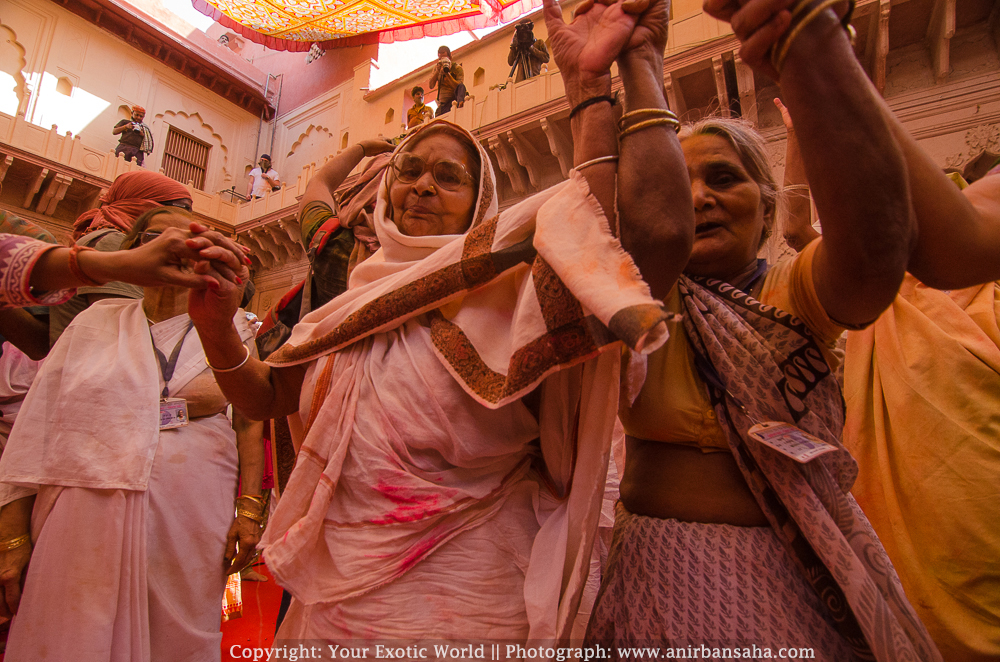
{"type": "Point", "coordinates": [135, 139]}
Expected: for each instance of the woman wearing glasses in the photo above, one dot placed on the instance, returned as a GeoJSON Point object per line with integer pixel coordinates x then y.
{"type": "Point", "coordinates": [455, 405]}
{"type": "Point", "coordinates": [119, 481]}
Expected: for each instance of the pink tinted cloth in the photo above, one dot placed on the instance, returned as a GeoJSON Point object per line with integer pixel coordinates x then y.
{"type": "Point", "coordinates": [128, 576]}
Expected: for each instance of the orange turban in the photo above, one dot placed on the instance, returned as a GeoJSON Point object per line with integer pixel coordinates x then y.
{"type": "Point", "coordinates": [129, 196]}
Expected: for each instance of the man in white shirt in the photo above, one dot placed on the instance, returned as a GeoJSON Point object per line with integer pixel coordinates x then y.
{"type": "Point", "coordinates": [263, 178]}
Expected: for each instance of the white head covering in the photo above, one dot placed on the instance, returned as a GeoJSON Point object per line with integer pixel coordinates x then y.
{"type": "Point", "coordinates": [400, 251]}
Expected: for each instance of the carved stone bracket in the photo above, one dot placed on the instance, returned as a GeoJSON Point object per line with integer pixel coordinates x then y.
{"type": "Point", "coordinates": [560, 146]}
{"type": "Point", "coordinates": [878, 44]}
{"type": "Point", "coordinates": [4, 165]}
{"type": "Point", "coordinates": [35, 186]}
{"type": "Point", "coordinates": [54, 193]}
{"type": "Point", "coordinates": [748, 91]}
{"type": "Point", "coordinates": [281, 238]}
{"type": "Point", "coordinates": [291, 227]}
{"type": "Point", "coordinates": [940, 30]}
{"type": "Point", "coordinates": [528, 157]}
{"type": "Point", "coordinates": [720, 85]}
{"type": "Point", "coordinates": [675, 95]}
{"type": "Point", "coordinates": [279, 252]}
{"type": "Point", "coordinates": [508, 164]}
{"type": "Point", "coordinates": [263, 255]}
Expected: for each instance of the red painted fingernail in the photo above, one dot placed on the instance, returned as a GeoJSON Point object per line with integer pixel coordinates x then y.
{"type": "Point", "coordinates": [247, 260]}
{"type": "Point", "coordinates": [239, 281]}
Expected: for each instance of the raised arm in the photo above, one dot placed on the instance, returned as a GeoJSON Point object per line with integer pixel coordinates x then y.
{"type": "Point", "coordinates": [584, 50]}
{"type": "Point", "coordinates": [654, 192]}
{"type": "Point", "coordinates": [853, 162]}
{"type": "Point", "coordinates": [797, 227]}
{"type": "Point", "coordinates": [329, 178]}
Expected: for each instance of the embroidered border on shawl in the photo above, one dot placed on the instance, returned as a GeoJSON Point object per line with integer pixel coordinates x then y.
{"type": "Point", "coordinates": [576, 341]}
{"type": "Point", "coordinates": [558, 306]}
{"type": "Point", "coordinates": [475, 268]}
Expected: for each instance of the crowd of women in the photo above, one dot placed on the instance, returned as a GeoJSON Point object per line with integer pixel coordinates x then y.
{"type": "Point", "coordinates": [454, 389]}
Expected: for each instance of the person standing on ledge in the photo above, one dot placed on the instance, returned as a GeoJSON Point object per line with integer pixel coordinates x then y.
{"type": "Point", "coordinates": [263, 178]}
{"type": "Point", "coordinates": [136, 140]}
{"type": "Point", "coordinates": [419, 112]}
{"type": "Point", "coordinates": [449, 78]}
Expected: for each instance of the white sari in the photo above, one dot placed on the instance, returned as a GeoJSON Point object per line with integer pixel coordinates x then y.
{"type": "Point", "coordinates": [428, 502]}
{"type": "Point", "coordinates": [129, 523]}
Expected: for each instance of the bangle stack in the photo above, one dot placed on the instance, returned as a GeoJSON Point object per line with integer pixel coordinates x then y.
{"type": "Point", "coordinates": [799, 22]}
{"type": "Point", "coordinates": [660, 117]}
{"type": "Point", "coordinates": [74, 265]}
{"type": "Point", "coordinates": [256, 499]}
{"type": "Point", "coordinates": [14, 543]}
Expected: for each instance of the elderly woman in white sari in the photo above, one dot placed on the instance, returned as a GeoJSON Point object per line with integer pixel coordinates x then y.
{"type": "Point", "coordinates": [455, 405]}
{"type": "Point", "coordinates": [119, 481]}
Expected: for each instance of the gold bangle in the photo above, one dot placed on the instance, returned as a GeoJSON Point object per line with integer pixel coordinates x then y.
{"type": "Point", "coordinates": [659, 121]}
{"type": "Point", "coordinates": [250, 516]}
{"type": "Point", "coordinates": [14, 543]}
{"type": "Point", "coordinates": [599, 159]}
{"type": "Point", "coordinates": [660, 112]}
{"type": "Point", "coordinates": [780, 52]}
{"type": "Point", "coordinates": [257, 498]}
{"type": "Point", "coordinates": [235, 367]}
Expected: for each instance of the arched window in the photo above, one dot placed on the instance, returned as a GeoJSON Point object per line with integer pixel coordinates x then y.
{"type": "Point", "coordinates": [343, 140]}
{"type": "Point", "coordinates": [388, 116]}
{"type": "Point", "coordinates": [479, 77]}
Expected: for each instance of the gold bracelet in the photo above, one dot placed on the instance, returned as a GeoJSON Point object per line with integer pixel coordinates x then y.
{"type": "Point", "coordinates": [780, 51]}
{"type": "Point", "coordinates": [14, 543]}
{"type": "Point", "coordinates": [250, 516]}
{"type": "Point", "coordinates": [660, 112]}
{"type": "Point", "coordinates": [257, 498]}
{"type": "Point", "coordinates": [599, 159]}
{"type": "Point", "coordinates": [235, 367]}
{"type": "Point", "coordinates": [659, 121]}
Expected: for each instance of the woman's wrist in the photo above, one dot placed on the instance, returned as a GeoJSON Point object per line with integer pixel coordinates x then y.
{"type": "Point", "coordinates": [579, 90]}
{"type": "Point", "coordinates": [102, 266]}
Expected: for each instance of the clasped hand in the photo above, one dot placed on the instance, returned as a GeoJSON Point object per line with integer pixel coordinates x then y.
{"type": "Point", "coordinates": [601, 32]}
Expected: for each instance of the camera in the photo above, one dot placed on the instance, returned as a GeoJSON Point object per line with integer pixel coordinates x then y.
{"type": "Point", "coordinates": [445, 63]}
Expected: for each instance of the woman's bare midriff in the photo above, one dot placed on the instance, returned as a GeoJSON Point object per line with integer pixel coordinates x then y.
{"type": "Point", "coordinates": [672, 481]}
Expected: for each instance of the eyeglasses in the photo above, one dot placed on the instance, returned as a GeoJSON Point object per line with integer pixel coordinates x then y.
{"type": "Point", "coordinates": [449, 175]}
{"type": "Point", "coordinates": [182, 203]}
{"type": "Point", "coordinates": [147, 237]}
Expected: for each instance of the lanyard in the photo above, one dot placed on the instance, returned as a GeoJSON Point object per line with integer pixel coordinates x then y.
{"type": "Point", "coordinates": [167, 367]}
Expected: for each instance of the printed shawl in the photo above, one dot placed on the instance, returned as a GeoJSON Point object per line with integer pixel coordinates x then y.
{"type": "Point", "coordinates": [773, 368]}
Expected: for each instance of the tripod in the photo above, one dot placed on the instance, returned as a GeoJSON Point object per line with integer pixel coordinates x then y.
{"type": "Point", "coordinates": [522, 61]}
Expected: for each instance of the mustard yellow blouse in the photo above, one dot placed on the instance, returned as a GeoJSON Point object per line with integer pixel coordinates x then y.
{"type": "Point", "coordinates": [673, 405]}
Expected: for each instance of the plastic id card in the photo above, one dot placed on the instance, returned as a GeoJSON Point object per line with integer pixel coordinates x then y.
{"type": "Point", "coordinates": [173, 413]}
{"type": "Point", "coordinates": [790, 440]}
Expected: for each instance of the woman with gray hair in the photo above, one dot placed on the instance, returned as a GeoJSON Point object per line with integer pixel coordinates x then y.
{"type": "Point", "coordinates": [736, 528]}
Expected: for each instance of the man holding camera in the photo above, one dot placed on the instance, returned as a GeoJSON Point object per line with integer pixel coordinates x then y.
{"type": "Point", "coordinates": [263, 178]}
{"type": "Point", "coordinates": [527, 54]}
{"type": "Point", "coordinates": [136, 139]}
{"type": "Point", "coordinates": [449, 78]}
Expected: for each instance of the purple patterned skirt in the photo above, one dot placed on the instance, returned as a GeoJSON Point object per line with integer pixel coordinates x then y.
{"type": "Point", "coordinates": [700, 587]}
